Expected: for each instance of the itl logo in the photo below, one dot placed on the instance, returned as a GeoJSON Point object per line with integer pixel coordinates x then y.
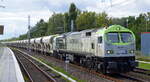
{"type": "Point", "coordinates": [1, 29]}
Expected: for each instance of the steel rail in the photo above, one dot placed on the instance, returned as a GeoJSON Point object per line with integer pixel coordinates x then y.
{"type": "Point", "coordinates": [43, 72]}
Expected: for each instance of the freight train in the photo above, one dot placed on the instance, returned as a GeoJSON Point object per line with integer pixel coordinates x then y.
{"type": "Point", "coordinates": [106, 50]}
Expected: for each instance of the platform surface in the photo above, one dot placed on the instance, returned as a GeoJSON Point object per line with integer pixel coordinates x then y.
{"type": "Point", "coordinates": [9, 67]}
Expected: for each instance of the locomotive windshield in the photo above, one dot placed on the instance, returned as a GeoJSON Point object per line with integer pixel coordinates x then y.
{"type": "Point", "coordinates": [126, 37]}
{"type": "Point", "coordinates": [115, 37]}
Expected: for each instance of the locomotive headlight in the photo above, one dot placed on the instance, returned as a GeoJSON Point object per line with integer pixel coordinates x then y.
{"type": "Point", "coordinates": [131, 51]}
{"type": "Point", "coordinates": [118, 28]}
{"type": "Point", "coordinates": [109, 52]}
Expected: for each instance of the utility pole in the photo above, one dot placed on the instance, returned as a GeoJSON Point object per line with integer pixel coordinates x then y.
{"type": "Point", "coordinates": [127, 22]}
{"type": "Point", "coordinates": [72, 25]}
{"type": "Point", "coordinates": [2, 6]}
{"type": "Point", "coordinates": [1, 26]}
{"type": "Point", "coordinates": [111, 3]}
{"type": "Point", "coordinates": [146, 24]}
{"type": "Point", "coordinates": [147, 20]}
{"type": "Point", "coordinates": [29, 30]}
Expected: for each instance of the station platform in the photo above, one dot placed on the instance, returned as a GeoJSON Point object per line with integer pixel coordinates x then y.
{"type": "Point", "coordinates": [9, 67]}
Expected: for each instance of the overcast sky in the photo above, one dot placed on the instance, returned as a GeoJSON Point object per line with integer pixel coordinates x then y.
{"type": "Point", "coordinates": [15, 15]}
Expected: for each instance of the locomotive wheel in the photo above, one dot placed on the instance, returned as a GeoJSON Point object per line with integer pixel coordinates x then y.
{"type": "Point", "coordinates": [103, 69]}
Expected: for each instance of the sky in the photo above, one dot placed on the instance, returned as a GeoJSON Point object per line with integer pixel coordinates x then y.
{"type": "Point", "coordinates": [14, 16]}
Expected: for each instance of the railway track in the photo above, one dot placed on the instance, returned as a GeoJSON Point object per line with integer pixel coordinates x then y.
{"type": "Point", "coordinates": [142, 71]}
{"type": "Point", "coordinates": [124, 77]}
{"type": "Point", "coordinates": [33, 72]}
{"type": "Point", "coordinates": [138, 75]}
{"type": "Point", "coordinates": [24, 71]}
{"type": "Point", "coordinates": [85, 72]}
{"type": "Point", "coordinates": [131, 76]}
{"type": "Point", "coordinates": [92, 72]}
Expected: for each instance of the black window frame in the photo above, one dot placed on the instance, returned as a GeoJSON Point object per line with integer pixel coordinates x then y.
{"type": "Point", "coordinates": [88, 33]}
{"type": "Point", "coordinates": [92, 46]}
{"type": "Point", "coordinates": [100, 39]}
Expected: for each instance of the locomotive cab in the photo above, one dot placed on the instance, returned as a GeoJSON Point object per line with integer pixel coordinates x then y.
{"type": "Point", "coordinates": [119, 50]}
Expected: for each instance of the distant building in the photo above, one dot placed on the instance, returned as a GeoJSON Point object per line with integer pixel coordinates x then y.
{"type": "Point", "coordinates": [145, 43]}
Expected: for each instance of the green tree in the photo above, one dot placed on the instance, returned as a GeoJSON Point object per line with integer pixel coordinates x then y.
{"type": "Point", "coordinates": [73, 11]}
{"type": "Point", "coordinates": [66, 22]}
{"type": "Point", "coordinates": [39, 29]}
{"type": "Point", "coordinates": [86, 20]}
{"type": "Point", "coordinates": [119, 21]}
{"type": "Point", "coordinates": [102, 20]}
{"type": "Point", "coordinates": [56, 24]}
{"type": "Point", "coordinates": [148, 21]}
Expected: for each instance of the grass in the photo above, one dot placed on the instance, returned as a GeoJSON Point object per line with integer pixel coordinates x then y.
{"type": "Point", "coordinates": [60, 70]}
{"type": "Point", "coordinates": [147, 59]}
{"type": "Point", "coordinates": [144, 66]}
{"type": "Point", "coordinates": [141, 57]}
{"type": "Point", "coordinates": [26, 78]}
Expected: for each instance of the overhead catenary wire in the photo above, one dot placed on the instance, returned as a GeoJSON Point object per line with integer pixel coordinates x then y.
{"type": "Point", "coordinates": [118, 4]}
